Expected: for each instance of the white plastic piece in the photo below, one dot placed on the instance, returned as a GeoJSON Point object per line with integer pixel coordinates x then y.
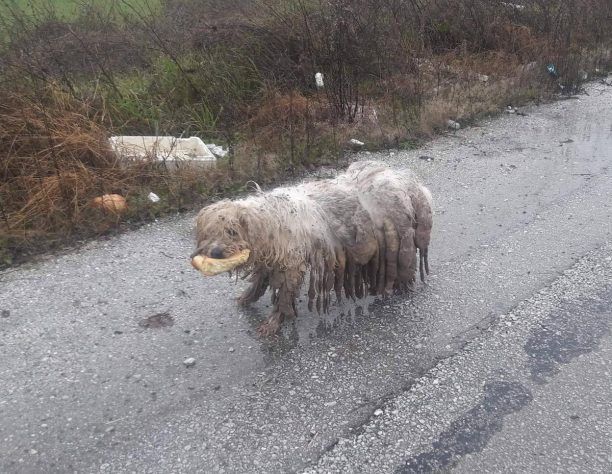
{"type": "Point", "coordinates": [216, 150]}
{"type": "Point", "coordinates": [153, 197]}
{"type": "Point", "coordinates": [319, 80]}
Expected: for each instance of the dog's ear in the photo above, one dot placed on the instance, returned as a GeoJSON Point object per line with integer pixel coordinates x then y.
{"type": "Point", "coordinates": [251, 224]}
{"type": "Point", "coordinates": [245, 219]}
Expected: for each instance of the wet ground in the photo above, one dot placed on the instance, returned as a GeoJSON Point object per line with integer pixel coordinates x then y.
{"type": "Point", "coordinates": [502, 362]}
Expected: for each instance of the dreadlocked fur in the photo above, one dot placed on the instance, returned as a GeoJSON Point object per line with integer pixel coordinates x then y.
{"type": "Point", "coordinates": [356, 234]}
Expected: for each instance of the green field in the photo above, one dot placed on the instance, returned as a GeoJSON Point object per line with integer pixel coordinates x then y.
{"type": "Point", "coordinates": [70, 9]}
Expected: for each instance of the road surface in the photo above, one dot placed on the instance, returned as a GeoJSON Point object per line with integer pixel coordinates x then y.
{"type": "Point", "coordinates": [502, 362]}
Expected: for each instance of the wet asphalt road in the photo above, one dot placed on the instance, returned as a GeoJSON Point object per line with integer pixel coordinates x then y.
{"type": "Point", "coordinates": [502, 362]}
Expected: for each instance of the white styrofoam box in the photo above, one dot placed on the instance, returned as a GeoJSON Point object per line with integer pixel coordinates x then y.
{"type": "Point", "coordinates": [171, 150]}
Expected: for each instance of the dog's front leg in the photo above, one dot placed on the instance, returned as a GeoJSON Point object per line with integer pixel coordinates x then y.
{"type": "Point", "coordinates": [285, 288]}
{"type": "Point", "coordinates": [260, 279]}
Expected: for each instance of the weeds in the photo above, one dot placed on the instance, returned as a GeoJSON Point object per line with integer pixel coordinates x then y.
{"type": "Point", "coordinates": [242, 73]}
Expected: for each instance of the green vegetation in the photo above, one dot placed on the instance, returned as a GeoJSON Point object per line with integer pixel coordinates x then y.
{"type": "Point", "coordinates": [70, 9]}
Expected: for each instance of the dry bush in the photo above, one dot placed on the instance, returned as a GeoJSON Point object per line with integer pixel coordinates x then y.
{"type": "Point", "coordinates": [55, 157]}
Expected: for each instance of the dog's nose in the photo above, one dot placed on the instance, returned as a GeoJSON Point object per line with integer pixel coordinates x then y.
{"type": "Point", "coordinates": [216, 252]}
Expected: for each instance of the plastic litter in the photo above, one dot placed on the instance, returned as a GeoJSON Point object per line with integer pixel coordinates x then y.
{"type": "Point", "coordinates": [552, 70]}
{"type": "Point", "coordinates": [319, 80]}
{"type": "Point", "coordinates": [355, 142]}
{"type": "Point", "coordinates": [153, 197]}
{"type": "Point", "coordinates": [216, 150]}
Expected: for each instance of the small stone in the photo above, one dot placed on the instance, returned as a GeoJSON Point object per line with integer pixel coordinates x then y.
{"type": "Point", "coordinates": [189, 362]}
{"type": "Point", "coordinates": [378, 412]}
{"type": "Point", "coordinates": [231, 349]}
{"type": "Point", "coordinates": [33, 451]}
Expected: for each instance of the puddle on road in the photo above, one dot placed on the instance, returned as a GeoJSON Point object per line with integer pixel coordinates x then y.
{"type": "Point", "coordinates": [473, 431]}
{"type": "Point", "coordinates": [567, 334]}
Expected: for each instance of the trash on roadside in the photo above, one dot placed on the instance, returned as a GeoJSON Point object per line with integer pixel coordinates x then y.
{"type": "Point", "coordinates": [483, 78]}
{"type": "Point", "coordinates": [515, 6]}
{"type": "Point", "coordinates": [355, 142]}
{"type": "Point", "coordinates": [153, 197]}
{"type": "Point", "coordinates": [552, 70]}
{"type": "Point", "coordinates": [452, 124]}
{"type": "Point", "coordinates": [216, 150]}
{"type": "Point", "coordinates": [164, 149]}
{"type": "Point", "coordinates": [510, 110]}
{"type": "Point", "coordinates": [319, 80]}
{"type": "Point", "coordinates": [112, 203]}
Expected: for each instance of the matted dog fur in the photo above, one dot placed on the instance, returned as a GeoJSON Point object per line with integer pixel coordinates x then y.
{"type": "Point", "coordinates": [358, 234]}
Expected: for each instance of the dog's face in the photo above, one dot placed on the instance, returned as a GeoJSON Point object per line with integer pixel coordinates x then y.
{"type": "Point", "coordinates": [220, 231]}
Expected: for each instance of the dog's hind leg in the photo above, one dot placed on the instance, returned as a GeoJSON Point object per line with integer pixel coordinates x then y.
{"type": "Point", "coordinates": [391, 254]}
{"type": "Point", "coordinates": [407, 259]}
{"type": "Point", "coordinates": [339, 273]}
{"type": "Point", "coordinates": [349, 278]}
{"type": "Point", "coordinates": [380, 274]}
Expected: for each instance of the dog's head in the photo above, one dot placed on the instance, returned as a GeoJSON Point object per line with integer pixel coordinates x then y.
{"type": "Point", "coordinates": [221, 237]}
{"type": "Point", "coordinates": [221, 232]}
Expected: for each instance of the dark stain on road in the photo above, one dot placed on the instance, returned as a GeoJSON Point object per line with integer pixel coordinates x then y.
{"type": "Point", "coordinates": [159, 320]}
{"type": "Point", "coordinates": [471, 433]}
{"type": "Point", "coordinates": [565, 335]}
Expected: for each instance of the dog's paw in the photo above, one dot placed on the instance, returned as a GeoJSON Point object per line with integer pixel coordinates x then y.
{"type": "Point", "coordinates": [270, 326]}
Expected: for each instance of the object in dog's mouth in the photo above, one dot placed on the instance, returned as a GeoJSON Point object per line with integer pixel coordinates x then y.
{"type": "Point", "coordinates": [214, 266]}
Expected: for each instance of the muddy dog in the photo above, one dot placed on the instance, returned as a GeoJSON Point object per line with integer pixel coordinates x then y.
{"type": "Point", "coordinates": [358, 234]}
